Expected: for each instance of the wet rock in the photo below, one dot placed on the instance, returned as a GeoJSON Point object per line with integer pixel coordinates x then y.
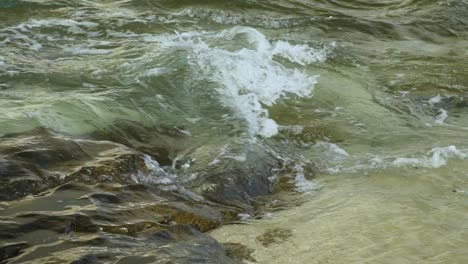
{"type": "Point", "coordinates": [11, 250]}
{"type": "Point", "coordinates": [200, 223]}
{"type": "Point", "coordinates": [40, 160]}
{"type": "Point", "coordinates": [187, 245]}
{"type": "Point", "coordinates": [88, 188]}
{"type": "Point", "coordinates": [176, 244]}
{"type": "Point", "coordinates": [117, 167]}
{"type": "Point", "coordinates": [35, 161]}
{"type": "Point", "coordinates": [237, 181]}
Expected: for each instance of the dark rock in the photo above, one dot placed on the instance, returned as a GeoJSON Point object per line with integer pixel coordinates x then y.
{"type": "Point", "coordinates": [11, 250]}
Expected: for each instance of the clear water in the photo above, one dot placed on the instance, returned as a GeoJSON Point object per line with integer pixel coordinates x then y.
{"type": "Point", "coordinates": [396, 216]}
{"type": "Point", "coordinates": [305, 131]}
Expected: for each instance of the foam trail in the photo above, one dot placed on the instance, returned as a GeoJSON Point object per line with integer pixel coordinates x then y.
{"type": "Point", "coordinates": [436, 158]}
{"type": "Point", "coordinates": [440, 118]}
{"type": "Point", "coordinates": [166, 181]}
{"type": "Point", "coordinates": [301, 54]}
{"type": "Point", "coordinates": [435, 100]}
{"type": "Point", "coordinates": [249, 78]}
{"type": "Point", "coordinates": [331, 150]}
{"type": "Point", "coordinates": [301, 183]}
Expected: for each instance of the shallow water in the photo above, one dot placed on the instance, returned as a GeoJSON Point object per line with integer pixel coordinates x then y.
{"type": "Point", "coordinates": [306, 131]}
{"type": "Point", "coordinates": [397, 216]}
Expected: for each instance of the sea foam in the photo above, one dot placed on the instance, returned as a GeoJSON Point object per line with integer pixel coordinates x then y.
{"type": "Point", "coordinates": [436, 158]}
{"type": "Point", "coordinates": [249, 79]}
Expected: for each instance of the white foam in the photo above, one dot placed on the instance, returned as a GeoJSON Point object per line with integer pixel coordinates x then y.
{"type": "Point", "coordinates": [233, 18]}
{"type": "Point", "coordinates": [36, 46]}
{"type": "Point", "coordinates": [407, 161]}
{"type": "Point", "coordinates": [193, 120]}
{"type": "Point", "coordinates": [155, 175]}
{"type": "Point", "coordinates": [294, 129]}
{"type": "Point", "coordinates": [331, 148]}
{"type": "Point", "coordinates": [156, 71]}
{"type": "Point", "coordinates": [440, 118]}
{"type": "Point", "coordinates": [436, 158]}
{"type": "Point", "coordinates": [250, 78]}
{"type": "Point", "coordinates": [80, 50]}
{"type": "Point", "coordinates": [165, 181]}
{"type": "Point", "coordinates": [330, 157]}
{"type": "Point", "coordinates": [301, 183]}
{"type": "Point", "coordinates": [435, 100]}
{"type": "Point", "coordinates": [403, 93]}
{"type": "Point", "coordinates": [152, 39]}
{"type": "Point", "coordinates": [2, 63]}
{"type": "Point", "coordinates": [185, 132]}
{"type": "Point", "coordinates": [72, 24]}
{"type": "Point", "coordinates": [244, 216]}
{"type": "Point", "coordinates": [127, 34]}
{"type": "Point", "coordinates": [214, 162]}
{"type": "Point", "coordinates": [301, 54]}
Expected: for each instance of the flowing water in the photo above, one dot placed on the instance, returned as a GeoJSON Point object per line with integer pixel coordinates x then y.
{"type": "Point", "coordinates": [289, 131]}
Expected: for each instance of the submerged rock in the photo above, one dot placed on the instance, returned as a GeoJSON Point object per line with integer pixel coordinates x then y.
{"type": "Point", "coordinates": [159, 223]}
{"type": "Point", "coordinates": [61, 189]}
{"type": "Point", "coordinates": [35, 161]}
{"type": "Point", "coordinates": [11, 250]}
{"type": "Point", "coordinates": [274, 236]}
{"type": "Point", "coordinates": [239, 252]}
{"type": "Point", "coordinates": [175, 244]}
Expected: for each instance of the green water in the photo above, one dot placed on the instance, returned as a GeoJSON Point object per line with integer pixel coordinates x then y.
{"type": "Point", "coordinates": [298, 131]}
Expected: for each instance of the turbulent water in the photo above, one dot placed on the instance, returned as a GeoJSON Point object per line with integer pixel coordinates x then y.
{"type": "Point", "coordinates": [290, 131]}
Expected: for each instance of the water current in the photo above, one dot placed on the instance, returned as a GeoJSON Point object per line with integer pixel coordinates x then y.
{"type": "Point", "coordinates": [243, 131]}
